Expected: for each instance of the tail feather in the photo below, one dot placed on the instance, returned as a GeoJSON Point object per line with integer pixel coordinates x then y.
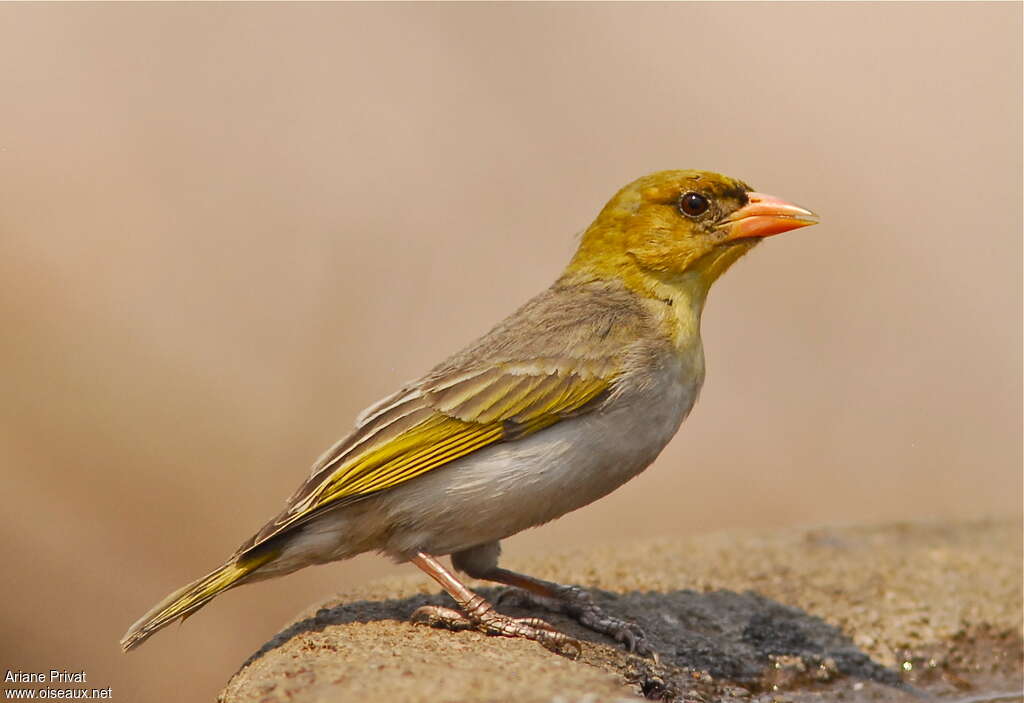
{"type": "Point", "coordinates": [194, 596]}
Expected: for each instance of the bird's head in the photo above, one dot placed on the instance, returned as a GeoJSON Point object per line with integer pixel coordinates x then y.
{"type": "Point", "coordinates": [680, 225]}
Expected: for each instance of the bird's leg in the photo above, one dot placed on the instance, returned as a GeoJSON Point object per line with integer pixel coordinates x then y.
{"type": "Point", "coordinates": [572, 601]}
{"type": "Point", "coordinates": [478, 614]}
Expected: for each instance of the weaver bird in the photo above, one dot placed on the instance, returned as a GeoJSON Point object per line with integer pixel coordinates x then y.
{"type": "Point", "coordinates": [564, 401]}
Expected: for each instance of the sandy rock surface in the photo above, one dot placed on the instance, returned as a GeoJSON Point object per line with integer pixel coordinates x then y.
{"type": "Point", "coordinates": [883, 613]}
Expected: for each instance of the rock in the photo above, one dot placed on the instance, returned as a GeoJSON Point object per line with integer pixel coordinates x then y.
{"type": "Point", "coordinates": [854, 614]}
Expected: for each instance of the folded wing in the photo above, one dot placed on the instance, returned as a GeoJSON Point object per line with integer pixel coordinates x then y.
{"type": "Point", "coordinates": [424, 427]}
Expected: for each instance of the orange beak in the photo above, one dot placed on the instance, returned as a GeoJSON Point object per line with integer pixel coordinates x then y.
{"type": "Point", "coordinates": [765, 215]}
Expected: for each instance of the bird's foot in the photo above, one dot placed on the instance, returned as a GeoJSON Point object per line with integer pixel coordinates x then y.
{"type": "Point", "coordinates": [489, 621]}
{"type": "Point", "coordinates": [576, 603]}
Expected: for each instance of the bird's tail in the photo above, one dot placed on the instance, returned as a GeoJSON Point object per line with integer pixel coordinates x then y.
{"type": "Point", "coordinates": [194, 596]}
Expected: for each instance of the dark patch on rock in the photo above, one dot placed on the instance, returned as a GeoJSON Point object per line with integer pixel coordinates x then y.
{"type": "Point", "coordinates": [725, 645]}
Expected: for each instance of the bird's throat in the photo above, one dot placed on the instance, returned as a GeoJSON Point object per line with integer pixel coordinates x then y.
{"type": "Point", "coordinates": [685, 293]}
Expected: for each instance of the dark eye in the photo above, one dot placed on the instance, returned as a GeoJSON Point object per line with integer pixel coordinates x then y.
{"type": "Point", "coordinates": [693, 204]}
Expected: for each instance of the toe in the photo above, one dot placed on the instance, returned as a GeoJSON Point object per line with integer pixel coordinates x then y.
{"type": "Point", "coordinates": [436, 616]}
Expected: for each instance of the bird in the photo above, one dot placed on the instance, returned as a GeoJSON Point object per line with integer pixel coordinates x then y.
{"type": "Point", "coordinates": [565, 400]}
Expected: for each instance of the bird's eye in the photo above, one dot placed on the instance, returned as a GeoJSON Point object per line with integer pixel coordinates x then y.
{"type": "Point", "coordinates": [693, 204]}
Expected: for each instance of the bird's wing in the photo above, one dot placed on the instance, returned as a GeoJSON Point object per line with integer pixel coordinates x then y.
{"type": "Point", "coordinates": [557, 356]}
{"type": "Point", "coordinates": [435, 422]}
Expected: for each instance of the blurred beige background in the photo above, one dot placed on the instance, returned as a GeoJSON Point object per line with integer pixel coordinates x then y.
{"type": "Point", "coordinates": [225, 229]}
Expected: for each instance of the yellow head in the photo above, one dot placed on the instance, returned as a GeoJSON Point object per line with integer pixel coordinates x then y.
{"type": "Point", "coordinates": [673, 226]}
